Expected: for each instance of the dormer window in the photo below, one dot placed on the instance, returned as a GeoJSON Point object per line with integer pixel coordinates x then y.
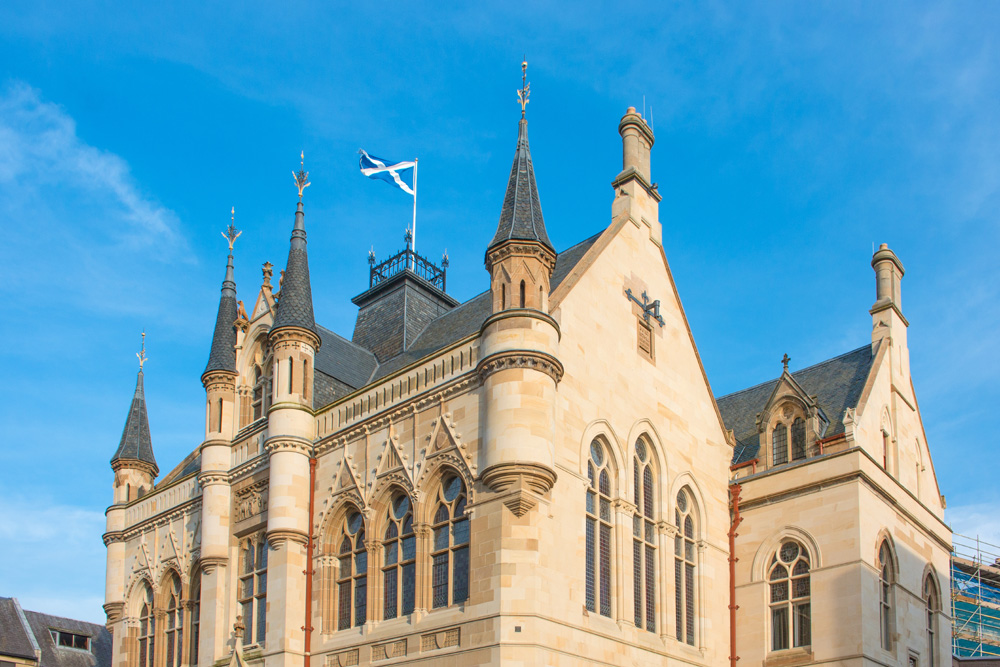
{"type": "Point", "coordinates": [798, 439]}
{"type": "Point", "coordinates": [65, 639]}
{"type": "Point", "coordinates": [779, 444]}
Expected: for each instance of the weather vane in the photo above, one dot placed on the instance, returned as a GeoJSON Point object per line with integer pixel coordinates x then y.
{"type": "Point", "coordinates": [522, 95]}
{"type": "Point", "coordinates": [232, 233]}
{"type": "Point", "coordinates": [301, 178]}
{"type": "Point", "coordinates": [142, 352]}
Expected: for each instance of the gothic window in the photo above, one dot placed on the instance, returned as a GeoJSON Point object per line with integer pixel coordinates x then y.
{"type": "Point", "coordinates": [258, 393]}
{"type": "Point", "coordinates": [644, 539]}
{"type": "Point", "coordinates": [253, 587]}
{"type": "Point", "coordinates": [598, 531]}
{"type": "Point", "coordinates": [886, 579]}
{"type": "Point", "coordinates": [352, 573]}
{"type": "Point", "coordinates": [400, 551]}
{"type": "Point", "coordinates": [779, 444]}
{"type": "Point", "coordinates": [173, 635]}
{"type": "Point", "coordinates": [684, 567]}
{"type": "Point", "coordinates": [931, 607]}
{"type": "Point", "coordinates": [789, 597]}
{"type": "Point", "coordinates": [450, 555]}
{"type": "Point", "coordinates": [885, 451]}
{"type": "Point", "coordinates": [522, 294]}
{"type": "Point", "coordinates": [147, 630]}
{"type": "Point", "coordinates": [798, 439]}
{"type": "Point", "coordinates": [195, 618]}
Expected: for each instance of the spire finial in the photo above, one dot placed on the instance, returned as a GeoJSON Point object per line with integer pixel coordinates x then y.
{"type": "Point", "coordinates": [231, 234]}
{"type": "Point", "coordinates": [301, 178]}
{"type": "Point", "coordinates": [142, 351]}
{"type": "Point", "coordinates": [784, 361]}
{"type": "Point", "coordinates": [522, 95]}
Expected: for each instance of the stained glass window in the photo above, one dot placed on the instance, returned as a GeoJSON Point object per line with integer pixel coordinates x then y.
{"type": "Point", "coordinates": [779, 444]}
{"type": "Point", "coordinates": [147, 629]}
{"type": "Point", "coordinates": [684, 568]}
{"type": "Point", "coordinates": [598, 532]}
{"type": "Point", "coordinates": [253, 587]}
{"type": "Point", "coordinates": [789, 597]}
{"type": "Point", "coordinates": [643, 540]}
{"type": "Point", "coordinates": [450, 548]}
{"type": "Point", "coordinates": [887, 577]}
{"type": "Point", "coordinates": [174, 631]}
{"type": "Point", "coordinates": [798, 439]}
{"type": "Point", "coordinates": [195, 618]}
{"type": "Point", "coordinates": [352, 572]}
{"type": "Point", "coordinates": [399, 548]}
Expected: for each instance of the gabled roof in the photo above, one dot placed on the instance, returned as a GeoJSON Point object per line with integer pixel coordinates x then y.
{"type": "Point", "coordinates": [136, 444]}
{"type": "Point", "coordinates": [15, 634]}
{"type": "Point", "coordinates": [222, 356]}
{"type": "Point", "coordinates": [521, 215]}
{"type": "Point", "coordinates": [836, 383]}
{"type": "Point", "coordinates": [55, 656]}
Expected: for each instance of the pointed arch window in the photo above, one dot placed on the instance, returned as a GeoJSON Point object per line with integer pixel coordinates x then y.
{"type": "Point", "coordinates": [195, 618]}
{"type": "Point", "coordinates": [253, 586]}
{"type": "Point", "coordinates": [522, 294]}
{"type": "Point", "coordinates": [598, 529]}
{"type": "Point", "coordinates": [798, 439]}
{"type": "Point", "coordinates": [400, 551]}
{"type": "Point", "coordinates": [450, 555]}
{"type": "Point", "coordinates": [173, 635]}
{"type": "Point", "coordinates": [789, 596]}
{"type": "Point", "coordinates": [258, 392]}
{"type": "Point", "coordinates": [886, 579]}
{"type": "Point", "coordinates": [644, 539]}
{"type": "Point", "coordinates": [352, 573]}
{"type": "Point", "coordinates": [147, 629]}
{"type": "Point", "coordinates": [932, 605]}
{"type": "Point", "coordinates": [685, 565]}
{"type": "Point", "coordinates": [779, 444]}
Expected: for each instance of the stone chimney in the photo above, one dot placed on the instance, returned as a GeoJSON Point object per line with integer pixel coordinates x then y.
{"type": "Point", "coordinates": [637, 141]}
{"type": "Point", "coordinates": [635, 193]}
{"type": "Point", "coordinates": [888, 323]}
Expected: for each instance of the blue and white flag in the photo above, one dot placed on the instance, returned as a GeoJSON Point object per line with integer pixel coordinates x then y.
{"type": "Point", "coordinates": [399, 174]}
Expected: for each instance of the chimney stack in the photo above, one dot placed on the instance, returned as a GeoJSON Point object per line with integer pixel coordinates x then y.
{"type": "Point", "coordinates": [637, 140]}
{"type": "Point", "coordinates": [888, 274]}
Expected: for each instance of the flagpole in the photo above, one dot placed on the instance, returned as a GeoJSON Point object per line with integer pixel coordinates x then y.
{"type": "Point", "coordinates": [415, 162]}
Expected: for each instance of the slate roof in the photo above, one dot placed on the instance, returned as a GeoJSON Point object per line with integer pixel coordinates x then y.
{"type": "Point", "coordinates": [340, 358]}
{"type": "Point", "coordinates": [295, 304]}
{"type": "Point", "coordinates": [56, 656]}
{"type": "Point", "coordinates": [136, 444]}
{"type": "Point", "coordinates": [836, 383]}
{"type": "Point", "coordinates": [223, 354]}
{"type": "Point", "coordinates": [14, 638]}
{"type": "Point", "coordinates": [521, 215]}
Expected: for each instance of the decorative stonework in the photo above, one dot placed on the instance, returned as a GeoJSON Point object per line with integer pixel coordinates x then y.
{"type": "Point", "coordinates": [521, 249]}
{"type": "Point", "coordinates": [206, 479]}
{"type": "Point", "coordinates": [219, 381]}
{"type": "Point", "coordinates": [343, 659]}
{"type": "Point", "coordinates": [447, 638]}
{"type": "Point", "coordinates": [522, 484]}
{"type": "Point", "coordinates": [287, 445]}
{"type": "Point", "coordinates": [251, 500]}
{"type": "Point", "coordinates": [276, 537]}
{"type": "Point", "coordinates": [396, 649]}
{"type": "Point", "coordinates": [538, 361]}
{"type": "Point", "coordinates": [291, 337]}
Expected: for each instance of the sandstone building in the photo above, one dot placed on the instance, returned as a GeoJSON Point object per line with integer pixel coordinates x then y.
{"type": "Point", "coordinates": [540, 475]}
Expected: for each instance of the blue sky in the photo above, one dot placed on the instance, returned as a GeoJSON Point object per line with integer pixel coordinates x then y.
{"type": "Point", "coordinates": [790, 137]}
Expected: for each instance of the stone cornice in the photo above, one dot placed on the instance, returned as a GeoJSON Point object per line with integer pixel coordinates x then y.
{"type": "Point", "coordinates": [531, 359]}
{"type": "Point", "coordinates": [161, 519]}
{"type": "Point", "coordinates": [227, 380]}
{"type": "Point", "coordinates": [113, 536]}
{"type": "Point", "coordinates": [293, 334]}
{"type": "Point", "coordinates": [522, 312]}
{"type": "Point", "coordinates": [142, 466]}
{"type": "Point", "coordinates": [288, 444]}
{"type": "Point", "coordinates": [210, 563]}
{"type": "Point", "coordinates": [516, 248]}
{"type": "Point", "coordinates": [212, 477]}
{"type": "Point", "coordinates": [274, 537]}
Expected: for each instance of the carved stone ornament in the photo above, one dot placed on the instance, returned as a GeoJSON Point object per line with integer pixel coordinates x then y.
{"type": "Point", "coordinates": [520, 359]}
{"type": "Point", "coordinates": [251, 500]}
{"type": "Point", "coordinates": [521, 483]}
{"type": "Point", "coordinates": [522, 249]}
{"type": "Point", "coordinates": [287, 445]}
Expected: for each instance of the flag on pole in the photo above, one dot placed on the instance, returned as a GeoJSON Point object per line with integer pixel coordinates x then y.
{"type": "Point", "coordinates": [398, 174]}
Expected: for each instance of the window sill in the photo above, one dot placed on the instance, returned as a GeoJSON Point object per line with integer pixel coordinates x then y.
{"type": "Point", "coordinates": [789, 657]}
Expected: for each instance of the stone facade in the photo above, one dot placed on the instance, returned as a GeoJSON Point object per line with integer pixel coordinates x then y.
{"type": "Point", "coordinates": [549, 481]}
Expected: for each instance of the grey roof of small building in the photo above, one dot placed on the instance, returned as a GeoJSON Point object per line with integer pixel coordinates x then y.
{"type": "Point", "coordinates": [836, 383]}
{"type": "Point", "coordinates": [56, 656]}
{"type": "Point", "coordinates": [136, 444]}
{"type": "Point", "coordinates": [295, 304]}
{"type": "Point", "coordinates": [222, 356]}
{"type": "Point", "coordinates": [15, 640]}
{"type": "Point", "coordinates": [521, 215]}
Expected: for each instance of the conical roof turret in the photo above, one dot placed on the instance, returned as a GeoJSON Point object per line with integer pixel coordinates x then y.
{"type": "Point", "coordinates": [521, 215]}
{"type": "Point", "coordinates": [222, 356]}
{"type": "Point", "coordinates": [136, 445]}
{"type": "Point", "coordinates": [295, 305]}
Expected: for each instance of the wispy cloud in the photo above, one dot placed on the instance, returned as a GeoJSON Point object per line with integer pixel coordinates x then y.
{"type": "Point", "coordinates": [976, 520]}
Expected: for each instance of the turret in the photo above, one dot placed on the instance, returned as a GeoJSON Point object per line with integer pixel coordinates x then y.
{"type": "Point", "coordinates": [519, 366]}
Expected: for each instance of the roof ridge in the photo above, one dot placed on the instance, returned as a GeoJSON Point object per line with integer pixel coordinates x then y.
{"type": "Point", "coordinates": [801, 370]}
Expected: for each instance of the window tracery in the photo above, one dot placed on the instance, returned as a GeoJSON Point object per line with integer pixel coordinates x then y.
{"type": "Point", "coordinates": [174, 632]}
{"type": "Point", "coordinates": [147, 629]}
{"type": "Point", "coordinates": [598, 531]}
{"type": "Point", "coordinates": [790, 597]}
{"type": "Point", "coordinates": [887, 577]}
{"type": "Point", "coordinates": [352, 573]}
{"type": "Point", "coordinates": [195, 618]}
{"type": "Point", "coordinates": [644, 539]}
{"type": "Point", "coordinates": [931, 606]}
{"type": "Point", "coordinates": [253, 587]}
{"type": "Point", "coordinates": [779, 444]}
{"type": "Point", "coordinates": [399, 548]}
{"type": "Point", "coordinates": [450, 549]}
{"type": "Point", "coordinates": [685, 564]}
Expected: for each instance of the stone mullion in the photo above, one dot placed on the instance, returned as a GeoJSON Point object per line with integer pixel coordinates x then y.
{"type": "Point", "coordinates": [160, 638]}
{"type": "Point", "coordinates": [374, 581]}
{"type": "Point", "coordinates": [621, 561]}
{"type": "Point", "coordinates": [665, 534]}
{"type": "Point", "coordinates": [699, 600]}
{"type": "Point", "coordinates": [424, 573]}
{"type": "Point", "coordinates": [185, 649]}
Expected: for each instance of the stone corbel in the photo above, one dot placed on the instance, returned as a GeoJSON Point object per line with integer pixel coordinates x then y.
{"type": "Point", "coordinates": [521, 485]}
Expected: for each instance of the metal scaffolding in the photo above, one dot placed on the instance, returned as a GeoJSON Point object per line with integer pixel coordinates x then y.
{"type": "Point", "coordinates": [975, 597]}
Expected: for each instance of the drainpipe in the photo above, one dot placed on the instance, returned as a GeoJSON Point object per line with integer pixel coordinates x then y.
{"type": "Point", "coordinates": [734, 490]}
{"type": "Point", "coordinates": [307, 628]}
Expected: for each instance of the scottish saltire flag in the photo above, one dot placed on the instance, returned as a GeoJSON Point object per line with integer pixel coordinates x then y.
{"type": "Point", "coordinates": [399, 174]}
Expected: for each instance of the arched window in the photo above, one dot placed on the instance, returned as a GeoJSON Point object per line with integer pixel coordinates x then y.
{"type": "Point", "coordinates": [644, 539]}
{"type": "Point", "coordinates": [352, 573]}
{"type": "Point", "coordinates": [798, 439]}
{"type": "Point", "coordinates": [450, 555]}
{"type": "Point", "coordinates": [684, 567]}
{"type": "Point", "coordinates": [195, 618]}
{"type": "Point", "coordinates": [147, 629]}
{"type": "Point", "coordinates": [779, 444]}
{"type": "Point", "coordinates": [886, 579]}
{"type": "Point", "coordinates": [258, 392]}
{"type": "Point", "coordinates": [522, 294]}
{"type": "Point", "coordinates": [932, 604]}
{"type": "Point", "coordinates": [174, 633]}
{"type": "Point", "coordinates": [400, 552]}
{"type": "Point", "coordinates": [789, 596]}
{"type": "Point", "coordinates": [599, 531]}
{"type": "Point", "coordinates": [253, 587]}
{"type": "Point", "coordinates": [503, 296]}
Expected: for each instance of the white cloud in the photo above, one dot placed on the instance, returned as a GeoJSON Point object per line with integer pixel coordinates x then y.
{"type": "Point", "coordinates": [976, 520]}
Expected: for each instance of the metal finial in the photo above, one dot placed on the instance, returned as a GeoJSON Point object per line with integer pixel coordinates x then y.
{"type": "Point", "coordinates": [142, 351]}
{"type": "Point", "coordinates": [444, 259]}
{"type": "Point", "coordinates": [784, 361]}
{"type": "Point", "coordinates": [231, 234]}
{"type": "Point", "coordinates": [371, 256]}
{"type": "Point", "coordinates": [301, 178]}
{"type": "Point", "coordinates": [408, 237]}
{"type": "Point", "coordinates": [522, 95]}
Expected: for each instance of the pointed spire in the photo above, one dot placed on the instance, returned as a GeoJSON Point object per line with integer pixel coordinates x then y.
{"type": "Point", "coordinates": [521, 215]}
{"type": "Point", "coordinates": [295, 306]}
{"type": "Point", "coordinates": [222, 356]}
{"type": "Point", "coordinates": [136, 444]}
